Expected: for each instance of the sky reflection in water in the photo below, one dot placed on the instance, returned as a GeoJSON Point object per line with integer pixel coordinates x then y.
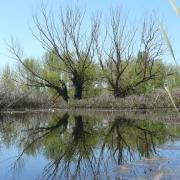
{"type": "Point", "coordinates": [87, 146]}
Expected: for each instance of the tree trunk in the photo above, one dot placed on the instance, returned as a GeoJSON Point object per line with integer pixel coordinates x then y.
{"type": "Point", "coordinates": [119, 93]}
{"type": "Point", "coordinates": [78, 93]}
{"type": "Point", "coordinates": [78, 131]}
{"type": "Point", "coordinates": [63, 92]}
{"type": "Point", "coordinates": [78, 87]}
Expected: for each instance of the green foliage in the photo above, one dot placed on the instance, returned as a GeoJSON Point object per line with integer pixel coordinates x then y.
{"type": "Point", "coordinates": [53, 66]}
{"type": "Point", "coordinates": [93, 86]}
{"type": "Point", "coordinates": [7, 79]}
{"type": "Point", "coordinates": [173, 81]}
{"type": "Point", "coordinates": [53, 70]}
{"type": "Point", "coordinates": [163, 71]}
{"type": "Point", "coordinates": [129, 77]}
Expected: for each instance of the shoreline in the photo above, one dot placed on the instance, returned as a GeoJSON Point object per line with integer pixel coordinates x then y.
{"type": "Point", "coordinates": [53, 109]}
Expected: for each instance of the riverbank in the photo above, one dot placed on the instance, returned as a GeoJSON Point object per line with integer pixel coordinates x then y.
{"type": "Point", "coordinates": [164, 115]}
{"type": "Point", "coordinates": [157, 99]}
{"type": "Point", "coordinates": [154, 100]}
{"type": "Point", "coordinates": [144, 147]}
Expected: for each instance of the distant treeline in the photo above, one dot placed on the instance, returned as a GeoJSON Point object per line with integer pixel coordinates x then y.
{"type": "Point", "coordinates": [16, 94]}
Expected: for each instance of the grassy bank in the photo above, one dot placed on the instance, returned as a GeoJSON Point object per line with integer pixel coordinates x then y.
{"type": "Point", "coordinates": [20, 100]}
{"type": "Point", "coordinates": [155, 99]}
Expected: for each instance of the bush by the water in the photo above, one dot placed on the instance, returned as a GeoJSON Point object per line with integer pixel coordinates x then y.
{"type": "Point", "coordinates": [156, 99]}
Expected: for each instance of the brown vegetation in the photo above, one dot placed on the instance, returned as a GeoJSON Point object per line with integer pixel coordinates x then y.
{"type": "Point", "coordinates": [153, 100]}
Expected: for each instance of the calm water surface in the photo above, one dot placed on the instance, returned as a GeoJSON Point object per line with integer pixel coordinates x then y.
{"type": "Point", "coordinates": [89, 145]}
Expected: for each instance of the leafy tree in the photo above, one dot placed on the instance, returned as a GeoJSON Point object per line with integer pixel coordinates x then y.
{"type": "Point", "coordinates": [7, 79]}
{"type": "Point", "coordinates": [34, 74]}
{"type": "Point", "coordinates": [163, 72]}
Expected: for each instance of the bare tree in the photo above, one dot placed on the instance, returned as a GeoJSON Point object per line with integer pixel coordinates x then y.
{"type": "Point", "coordinates": [70, 40]}
{"type": "Point", "coordinates": [73, 44]}
{"type": "Point", "coordinates": [122, 71]}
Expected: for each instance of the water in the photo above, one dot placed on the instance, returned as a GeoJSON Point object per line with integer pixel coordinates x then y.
{"type": "Point", "coordinates": [89, 145]}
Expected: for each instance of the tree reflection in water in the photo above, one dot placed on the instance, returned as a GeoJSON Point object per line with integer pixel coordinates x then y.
{"type": "Point", "coordinates": [81, 147]}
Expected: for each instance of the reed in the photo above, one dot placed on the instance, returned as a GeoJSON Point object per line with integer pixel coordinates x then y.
{"type": "Point", "coordinates": [169, 46]}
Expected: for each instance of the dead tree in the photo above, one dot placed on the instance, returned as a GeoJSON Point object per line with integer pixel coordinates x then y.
{"type": "Point", "coordinates": [116, 54]}
{"type": "Point", "coordinates": [70, 40]}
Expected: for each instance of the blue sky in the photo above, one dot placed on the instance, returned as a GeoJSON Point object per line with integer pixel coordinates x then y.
{"type": "Point", "coordinates": [16, 17]}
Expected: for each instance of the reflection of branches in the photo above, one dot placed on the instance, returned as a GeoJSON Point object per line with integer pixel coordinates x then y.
{"type": "Point", "coordinates": [88, 150]}
{"type": "Point", "coordinates": [122, 132]}
{"type": "Point", "coordinates": [36, 131]}
{"type": "Point", "coordinates": [62, 122]}
{"type": "Point", "coordinates": [121, 143]}
{"type": "Point", "coordinates": [77, 146]}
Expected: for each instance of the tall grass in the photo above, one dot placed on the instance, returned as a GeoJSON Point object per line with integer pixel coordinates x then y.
{"type": "Point", "coordinates": [169, 46]}
{"type": "Point", "coordinates": [20, 100]}
{"type": "Point", "coordinates": [153, 100]}
{"type": "Point", "coordinates": [175, 7]}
